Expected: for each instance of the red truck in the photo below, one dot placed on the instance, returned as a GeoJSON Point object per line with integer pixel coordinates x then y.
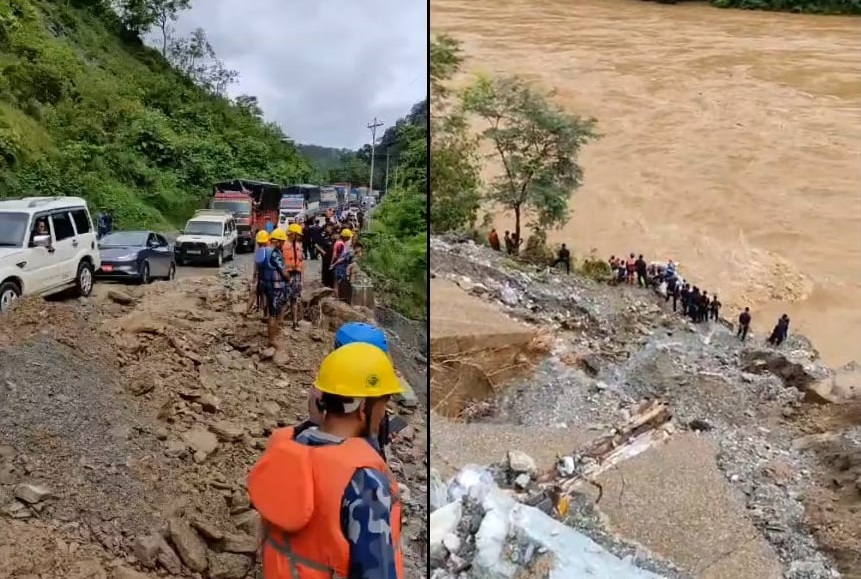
{"type": "Point", "coordinates": [252, 203]}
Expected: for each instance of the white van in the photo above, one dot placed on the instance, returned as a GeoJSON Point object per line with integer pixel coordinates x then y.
{"type": "Point", "coordinates": [209, 237]}
{"type": "Point", "coordinates": [47, 245]}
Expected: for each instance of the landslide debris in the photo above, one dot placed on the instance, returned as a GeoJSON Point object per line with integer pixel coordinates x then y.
{"type": "Point", "coordinates": [750, 408]}
{"type": "Point", "coordinates": [128, 424]}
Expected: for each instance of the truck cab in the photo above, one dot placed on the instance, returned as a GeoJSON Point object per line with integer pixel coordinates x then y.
{"type": "Point", "coordinates": [241, 205]}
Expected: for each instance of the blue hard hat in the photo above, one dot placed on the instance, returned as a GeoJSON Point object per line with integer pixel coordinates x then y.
{"type": "Point", "coordinates": [361, 332]}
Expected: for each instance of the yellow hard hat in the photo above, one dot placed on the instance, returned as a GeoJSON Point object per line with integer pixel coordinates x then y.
{"type": "Point", "coordinates": [295, 228]}
{"type": "Point", "coordinates": [358, 370]}
{"type": "Point", "coordinates": [262, 237]}
{"type": "Point", "coordinates": [278, 235]}
{"type": "Point", "coordinates": [346, 233]}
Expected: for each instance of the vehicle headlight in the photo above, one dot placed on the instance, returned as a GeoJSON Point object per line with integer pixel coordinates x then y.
{"type": "Point", "coordinates": [212, 244]}
{"type": "Point", "coordinates": [128, 257]}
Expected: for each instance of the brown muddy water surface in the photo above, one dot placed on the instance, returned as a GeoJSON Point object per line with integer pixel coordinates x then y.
{"type": "Point", "coordinates": [731, 143]}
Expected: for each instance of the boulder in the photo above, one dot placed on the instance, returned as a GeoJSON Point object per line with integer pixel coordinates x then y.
{"type": "Point", "coordinates": [188, 544]}
{"type": "Point", "coordinates": [228, 566]}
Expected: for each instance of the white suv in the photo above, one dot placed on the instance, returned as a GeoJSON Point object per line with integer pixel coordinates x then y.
{"type": "Point", "coordinates": [209, 237]}
{"type": "Point", "coordinates": [47, 245]}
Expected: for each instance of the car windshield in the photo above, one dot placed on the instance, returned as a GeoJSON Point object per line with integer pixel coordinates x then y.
{"type": "Point", "coordinates": [203, 228]}
{"type": "Point", "coordinates": [236, 207]}
{"type": "Point", "coordinates": [124, 239]}
{"type": "Point", "coordinates": [13, 229]}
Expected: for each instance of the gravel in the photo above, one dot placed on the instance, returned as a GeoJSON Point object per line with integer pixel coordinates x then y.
{"type": "Point", "coordinates": [618, 345]}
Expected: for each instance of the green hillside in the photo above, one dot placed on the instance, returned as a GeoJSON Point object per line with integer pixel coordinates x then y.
{"type": "Point", "coordinates": [86, 109]}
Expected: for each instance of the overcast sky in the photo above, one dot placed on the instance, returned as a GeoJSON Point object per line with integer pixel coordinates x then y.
{"type": "Point", "coordinates": [322, 69]}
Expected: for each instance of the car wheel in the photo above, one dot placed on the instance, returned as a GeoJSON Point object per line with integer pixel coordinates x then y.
{"type": "Point", "coordinates": [171, 272]}
{"type": "Point", "coordinates": [144, 279]}
{"type": "Point", "coordinates": [84, 279]}
{"type": "Point", "coordinates": [9, 292]}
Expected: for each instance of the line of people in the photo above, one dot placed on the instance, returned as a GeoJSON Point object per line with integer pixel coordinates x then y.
{"type": "Point", "coordinates": [329, 502]}
{"type": "Point", "coordinates": [279, 266]}
{"type": "Point", "coordinates": [688, 299]}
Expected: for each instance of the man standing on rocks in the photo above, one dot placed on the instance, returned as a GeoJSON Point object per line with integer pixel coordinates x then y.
{"type": "Point", "coordinates": [642, 267]}
{"type": "Point", "coordinates": [743, 324]}
{"type": "Point", "coordinates": [258, 278]}
{"type": "Point", "coordinates": [328, 500]}
{"type": "Point", "coordinates": [276, 285]}
{"type": "Point", "coordinates": [563, 257]}
{"type": "Point", "coordinates": [294, 261]}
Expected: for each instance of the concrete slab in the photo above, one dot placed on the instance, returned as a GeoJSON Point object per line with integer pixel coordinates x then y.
{"type": "Point", "coordinates": [674, 501]}
{"type": "Point", "coordinates": [454, 312]}
{"type": "Point", "coordinates": [455, 444]}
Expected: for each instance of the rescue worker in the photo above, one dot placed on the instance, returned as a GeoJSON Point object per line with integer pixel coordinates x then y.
{"type": "Point", "coordinates": [294, 265]}
{"type": "Point", "coordinates": [276, 276]}
{"type": "Point", "coordinates": [339, 255]}
{"type": "Point", "coordinates": [350, 333]}
{"type": "Point", "coordinates": [509, 243]}
{"type": "Point", "coordinates": [563, 257]}
{"type": "Point", "coordinates": [780, 331]}
{"type": "Point", "coordinates": [329, 503]}
{"type": "Point", "coordinates": [642, 267]}
{"type": "Point", "coordinates": [257, 300]}
{"type": "Point", "coordinates": [493, 240]}
{"type": "Point", "coordinates": [744, 320]}
{"type": "Point", "coordinates": [714, 308]}
{"type": "Point", "coordinates": [631, 269]}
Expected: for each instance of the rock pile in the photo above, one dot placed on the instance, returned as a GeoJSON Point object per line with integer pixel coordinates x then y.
{"type": "Point", "coordinates": [129, 429]}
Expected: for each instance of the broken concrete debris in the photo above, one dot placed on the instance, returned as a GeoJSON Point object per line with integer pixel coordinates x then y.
{"type": "Point", "coordinates": [486, 530]}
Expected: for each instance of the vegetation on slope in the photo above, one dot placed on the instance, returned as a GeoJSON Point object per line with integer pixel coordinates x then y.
{"type": "Point", "coordinates": [87, 109]}
{"type": "Point", "coordinates": [397, 257]}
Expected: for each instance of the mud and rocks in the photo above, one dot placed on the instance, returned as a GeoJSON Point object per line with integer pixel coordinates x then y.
{"type": "Point", "coordinates": [129, 421]}
{"type": "Point", "coordinates": [617, 346]}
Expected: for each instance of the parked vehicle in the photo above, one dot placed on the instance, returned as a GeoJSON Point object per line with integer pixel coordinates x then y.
{"type": "Point", "coordinates": [47, 245]}
{"type": "Point", "coordinates": [139, 256]}
{"type": "Point", "coordinates": [311, 193]}
{"type": "Point", "coordinates": [292, 206]}
{"type": "Point", "coordinates": [208, 237]}
{"type": "Point", "coordinates": [252, 203]}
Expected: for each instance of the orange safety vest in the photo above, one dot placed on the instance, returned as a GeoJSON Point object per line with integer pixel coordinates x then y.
{"type": "Point", "coordinates": [293, 256]}
{"type": "Point", "coordinates": [297, 490]}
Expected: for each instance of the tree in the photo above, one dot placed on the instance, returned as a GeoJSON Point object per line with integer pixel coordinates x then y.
{"type": "Point", "coordinates": [455, 179]}
{"type": "Point", "coordinates": [167, 11]}
{"type": "Point", "coordinates": [141, 16]}
{"type": "Point", "coordinates": [537, 143]}
{"type": "Point", "coordinates": [250, 105]}
{"type": "Point", "coordinates": [195, 58]}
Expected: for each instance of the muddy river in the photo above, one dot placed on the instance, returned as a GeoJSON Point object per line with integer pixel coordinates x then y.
{"type": "Point", "coordinates": [731, 143]}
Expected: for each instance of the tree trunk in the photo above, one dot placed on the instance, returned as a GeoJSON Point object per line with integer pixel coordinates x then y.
{"type": "Point", "coordinates": [517, 229]}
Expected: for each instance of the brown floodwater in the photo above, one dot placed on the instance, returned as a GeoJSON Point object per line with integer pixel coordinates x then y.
{"type": "Point", "coordinates": [731, 143]}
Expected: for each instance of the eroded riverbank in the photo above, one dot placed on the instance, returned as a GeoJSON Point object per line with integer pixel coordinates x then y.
{"type": "Point", "coordinates": [732, 143]}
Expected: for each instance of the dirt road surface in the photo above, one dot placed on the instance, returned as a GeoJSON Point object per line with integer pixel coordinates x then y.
{"type": "Point", "coordinates": [129, 421]}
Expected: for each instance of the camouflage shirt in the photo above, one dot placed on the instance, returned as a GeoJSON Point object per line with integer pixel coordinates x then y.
{"type": "Point", "coordinates": [366, 509]}
{"type": "Point", "coordinates": [277, 266]}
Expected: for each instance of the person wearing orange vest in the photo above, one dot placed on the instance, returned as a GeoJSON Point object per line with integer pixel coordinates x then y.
{"type": "Point", "coordinates": [294, 262]}
{"type": "Point", "coordinates": [340, 258]}
{"type": "Point", "coordinates": [329, 503]}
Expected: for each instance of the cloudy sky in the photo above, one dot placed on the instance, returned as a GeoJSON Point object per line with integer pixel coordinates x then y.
{"type": "Point", "coordinates": [322, 69]}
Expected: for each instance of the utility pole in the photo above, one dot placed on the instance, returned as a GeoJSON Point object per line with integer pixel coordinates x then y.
{"type": "Point", "coordinates": [387, 170]}
{"type": "Point", "coordinates": [373, 126]}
